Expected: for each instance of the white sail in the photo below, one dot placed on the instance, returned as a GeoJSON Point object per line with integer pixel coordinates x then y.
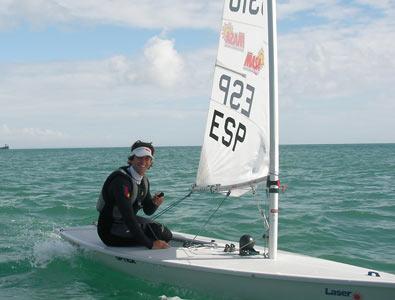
{"type": "Point", "coordinates": [236, 145]}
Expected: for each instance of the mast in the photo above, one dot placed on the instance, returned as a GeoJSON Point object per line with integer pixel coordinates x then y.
{"type": "Point", "coordinates": [274, 130]}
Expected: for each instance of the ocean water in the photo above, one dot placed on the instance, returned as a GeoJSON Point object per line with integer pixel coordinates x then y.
{"type": "Point", "coordinates": [339, 205]}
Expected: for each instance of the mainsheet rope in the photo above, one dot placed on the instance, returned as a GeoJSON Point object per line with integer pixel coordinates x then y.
{"type": "Point", "coordinates": [165, 210]}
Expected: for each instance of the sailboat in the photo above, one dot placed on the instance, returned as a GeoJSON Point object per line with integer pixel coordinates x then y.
{"type": "Point", "coordinates": [241, 151]}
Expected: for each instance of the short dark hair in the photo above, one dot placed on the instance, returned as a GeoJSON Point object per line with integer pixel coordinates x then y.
{"type": "Point", "coordinates": [138, 144]}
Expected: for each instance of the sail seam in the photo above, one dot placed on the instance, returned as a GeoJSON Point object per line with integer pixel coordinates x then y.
{"type": "Point", "coordinates": [219, 65]}
{"type": "Point", "coordinates": [244, 23]}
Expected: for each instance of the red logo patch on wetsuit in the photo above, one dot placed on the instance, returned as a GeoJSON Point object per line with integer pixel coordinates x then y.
{"type": "Point", "coordinates": [126, 192]}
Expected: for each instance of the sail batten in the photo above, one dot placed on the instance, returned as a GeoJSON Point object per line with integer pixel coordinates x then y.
{"type": "Point", "coordinates": [235, 151]}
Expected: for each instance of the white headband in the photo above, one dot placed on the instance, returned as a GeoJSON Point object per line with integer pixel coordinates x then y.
{"type": "Point", "coordinates": [142, 151]}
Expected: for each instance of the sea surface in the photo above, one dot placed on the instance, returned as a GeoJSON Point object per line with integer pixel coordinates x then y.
{"type": "Point", "coordinates": [339, 204]}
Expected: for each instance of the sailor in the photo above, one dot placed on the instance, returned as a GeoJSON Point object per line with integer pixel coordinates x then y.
{"type": "Point", "coordinates": [124, 193]}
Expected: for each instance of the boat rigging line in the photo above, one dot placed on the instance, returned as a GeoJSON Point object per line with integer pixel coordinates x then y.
{"type": "Point", "coordinates": [165, 210]}
{"type": "Point", "coordinates": [264, 217]}
{"type": "Point", "coordinates": [174, 204]}
{"type": "Point", "coordinates": [210, 217]}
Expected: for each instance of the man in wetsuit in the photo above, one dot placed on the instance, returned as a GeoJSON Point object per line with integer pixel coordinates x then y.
{"type": "Point", "coordinates": [124, 193]}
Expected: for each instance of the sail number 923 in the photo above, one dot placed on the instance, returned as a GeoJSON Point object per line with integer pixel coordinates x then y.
{"type": "Point", "coordinates": [238, 96]}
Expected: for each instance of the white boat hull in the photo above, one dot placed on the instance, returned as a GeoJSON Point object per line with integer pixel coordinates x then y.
{"type": "Point", "coordinates": [210, 270]}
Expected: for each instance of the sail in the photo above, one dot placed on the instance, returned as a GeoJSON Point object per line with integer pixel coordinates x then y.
{"type": "Point", "coordinates": [235, 151]}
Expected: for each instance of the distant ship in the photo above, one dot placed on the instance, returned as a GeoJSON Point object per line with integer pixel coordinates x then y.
{"type": "Point", "coordinates": [5, 147]}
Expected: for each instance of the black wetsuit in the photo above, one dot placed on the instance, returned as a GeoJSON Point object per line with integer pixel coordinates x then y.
{"type": "Point", "coordinates": [128, 229]}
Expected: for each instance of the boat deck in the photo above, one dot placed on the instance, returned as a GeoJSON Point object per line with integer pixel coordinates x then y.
{"type": "Point", "coordinates": [212, 258]}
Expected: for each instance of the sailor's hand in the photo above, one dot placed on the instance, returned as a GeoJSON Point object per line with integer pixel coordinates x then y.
{"type": "Point", "coordinates": [159, 244]}
{"type": "Point", "coordinates": [158, 199]}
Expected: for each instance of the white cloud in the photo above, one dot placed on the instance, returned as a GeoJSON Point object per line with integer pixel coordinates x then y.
{"type": "Point", "coordinates": [164, 63]}
{"type": "Point", "coordinates": [382, 4]}
{"type": "Point", "coordinates": [87, 99]}
{"type": "Point", "coordinates": [289, 8]}
{"type": "Point", "coordinates": [168, 14]}
{"type": "Point", "coordinates": [161, 65]}
{"type": "Point", "coordinates": [28, 136]}
{"type": "Point", "coordinates": [36, 12]}
{"type": "Point", "coordinates": [336, 82]}
{"type": "Point", "coordinates": [143, 13]}
{"type": "Point", "coordinates": [38, 132]}
{"type": "Point", "coordinates": [342, 66]}
{"type": "Point", "coordinates": [347, 13]}
{"type": "Point", "coordinates": [337, 62]}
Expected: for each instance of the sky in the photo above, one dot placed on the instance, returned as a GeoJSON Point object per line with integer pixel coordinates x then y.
{"type": "Point", "coordinates": [104, 73]}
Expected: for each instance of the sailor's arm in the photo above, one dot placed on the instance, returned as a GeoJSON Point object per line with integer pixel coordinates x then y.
{"type": "Point", "coordinates": [151, 204]}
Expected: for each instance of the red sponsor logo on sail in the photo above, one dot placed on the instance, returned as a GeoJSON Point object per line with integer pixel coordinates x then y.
{"type": "Point", "coordinates": [254, 62]}
{"type": "Point", "coordinates": [233, 39]}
